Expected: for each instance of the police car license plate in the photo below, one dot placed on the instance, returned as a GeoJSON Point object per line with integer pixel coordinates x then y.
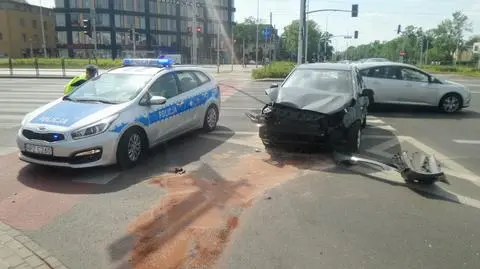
{"type": "Point", "coordinates": [43, 150]}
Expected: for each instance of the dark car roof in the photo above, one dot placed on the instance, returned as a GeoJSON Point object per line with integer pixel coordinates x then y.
{"type": "Point", "coordinates": [327, 66]}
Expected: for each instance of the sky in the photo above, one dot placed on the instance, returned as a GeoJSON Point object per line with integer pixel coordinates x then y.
{"type": "Point", "coordinates": [377, 20]}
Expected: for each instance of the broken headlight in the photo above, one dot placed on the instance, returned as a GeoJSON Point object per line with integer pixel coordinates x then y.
{"type": "Point", "coordinates": [267, 110]}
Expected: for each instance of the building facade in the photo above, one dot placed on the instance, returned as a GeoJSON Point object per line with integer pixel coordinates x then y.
{"type": "Point", "coordinates": [163, 27]}
{"type": "Point", "coordinates": [21, 31]}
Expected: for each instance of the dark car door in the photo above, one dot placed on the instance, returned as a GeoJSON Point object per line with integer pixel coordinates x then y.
{"type": "Point", "coordinates": [362, 102]}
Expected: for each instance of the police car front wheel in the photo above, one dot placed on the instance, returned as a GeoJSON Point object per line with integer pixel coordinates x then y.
{"type": "Point", "coordinates": [131, 148]}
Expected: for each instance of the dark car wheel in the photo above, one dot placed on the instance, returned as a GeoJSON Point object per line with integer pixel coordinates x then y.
{"type": "Point", "coordinates": [211, 119]}
{"type": "Point", "coordinates": [364, 120]}
{"type": "Point", "coordinates": [131, 148]}
{"type": "Point", "coordinates": [354, 137]}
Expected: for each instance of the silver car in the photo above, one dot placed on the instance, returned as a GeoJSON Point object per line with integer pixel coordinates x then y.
{"type": "Point", "coordinates": [115, 117]}
{"type": "Point", "coordinates": [397, 83]}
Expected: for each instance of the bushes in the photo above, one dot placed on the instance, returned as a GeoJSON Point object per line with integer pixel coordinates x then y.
{"type": "Point", "coordinates": [273, 70]}
{"type": "Point", "coordinates": [461, 70]}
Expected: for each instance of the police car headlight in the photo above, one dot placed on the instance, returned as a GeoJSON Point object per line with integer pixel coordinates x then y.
{"type": "Point", "coordinates": [94, 129]}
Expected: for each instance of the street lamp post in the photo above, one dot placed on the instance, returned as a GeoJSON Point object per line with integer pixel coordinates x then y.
{"type": "Point", "coordinates": [258, 25]}
{"type": "Point", "coordinates": [43, 32]}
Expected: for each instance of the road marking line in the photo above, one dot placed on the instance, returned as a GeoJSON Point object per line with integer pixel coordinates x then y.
{"type": "Point", "coordinates": [378, 136]}
{"type": "Point", "coordinates": [18, 118]}
{"type": "Point", "coordinates": [239, 108]}
{"type": "Point", "coordinates": [375, 121]}
{"type": "Point", "coordinates": [8, 125]}
{"type": "Point", "coordinates": [474, 142]}
{"type": "Point", "coordinates": [383, 127]}
{"type": "Point", "coordinates": [231, 133]}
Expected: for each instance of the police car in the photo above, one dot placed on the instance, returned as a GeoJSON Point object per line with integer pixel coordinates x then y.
{"type": "Point", "coordinates": [115, 117]}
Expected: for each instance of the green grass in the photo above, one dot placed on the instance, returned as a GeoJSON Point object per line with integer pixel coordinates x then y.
{"type": "Point", "coordinates": [273, 70]}
{"type": "Point", "coordinates": [460, 70]}
{"type": "Point", "coordinates": [57, 63]}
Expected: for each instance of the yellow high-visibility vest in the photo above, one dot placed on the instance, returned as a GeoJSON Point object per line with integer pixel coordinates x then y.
{"type": "Point", "coordinates": [75, 82]}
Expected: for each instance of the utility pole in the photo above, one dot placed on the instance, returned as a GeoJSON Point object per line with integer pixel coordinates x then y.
{"type": "Point", "coordinates": [301, 32]}
{"type": "Point", "coordinates": [426, 53]}
{"type": "Point", "coordinates": [270, 51]}
{"type": "Point", "coordinates": [326, 41]}
{"type": "Point", "coordinates": [218, 47]}
{"type": "Point", "coordinates": [134, 39]}
{"type": "Point", "coordinates": [258, 25]}
{"type": "Point", "coordinates": [421, 50]}
{"type": "Point", "coordinates": [93, 19]}
{"type": "Point", "coordinates": [194, 32]}
{"type": "Point", "coordinates": [44, 45]}
{"type": "Point", "coordinates": [233, 49]}
{"type": "Point", "coordinates": [306, 29]}
{"type": "Point", "coordinates": [243, 53]}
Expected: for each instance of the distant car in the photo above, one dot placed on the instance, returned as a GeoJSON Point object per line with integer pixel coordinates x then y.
{"type": "Point", "coordinates": [397, 83]}
{"type": "Point", "coordinates": [117, 116]}
{"type": "Point", "coordinates": [318, 103]}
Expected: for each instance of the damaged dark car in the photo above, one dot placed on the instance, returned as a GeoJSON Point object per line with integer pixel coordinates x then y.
{"type": "Point", "coordinates": [317, 104]}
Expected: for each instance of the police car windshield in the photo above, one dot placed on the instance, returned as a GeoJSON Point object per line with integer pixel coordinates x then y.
{"type": "Point", "coordinates": [110, 88]}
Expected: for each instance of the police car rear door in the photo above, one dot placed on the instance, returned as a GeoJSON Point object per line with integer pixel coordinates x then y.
{"type": "Point", "coordinates": [192, 94]}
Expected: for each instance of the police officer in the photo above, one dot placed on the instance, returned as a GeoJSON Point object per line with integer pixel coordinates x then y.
{"type": "Point", "coordinates": [90, 72]}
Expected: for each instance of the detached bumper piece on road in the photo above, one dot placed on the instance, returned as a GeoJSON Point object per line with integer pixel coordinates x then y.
{"type": "Point", "coordinates": [281, 125]}
{"type": "Point", "coordinates": [417, 168]}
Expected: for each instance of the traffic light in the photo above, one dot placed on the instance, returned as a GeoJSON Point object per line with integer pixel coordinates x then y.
{"type": "Point", "coordinates": [355, 10]}
{"type": "Point", "coordinates": [87, 27]}
{"type": "Point", "coordinates": [130, 33]}
{"type": "Point", "coordinates": [399, 29]}
{"type": "Point", "coordinates": [355, 34]}
{"type": "Point", "coordinates": [137, 36]}
{"type": "Point", "coordinates": [199, 29]}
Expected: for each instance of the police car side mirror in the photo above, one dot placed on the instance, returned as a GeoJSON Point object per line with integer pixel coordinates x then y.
{"type": "Point", "coordinates": [157, 100]}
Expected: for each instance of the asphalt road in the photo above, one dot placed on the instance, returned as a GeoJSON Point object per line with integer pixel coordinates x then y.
{"type": "Point", "coordinates": [319, 215]}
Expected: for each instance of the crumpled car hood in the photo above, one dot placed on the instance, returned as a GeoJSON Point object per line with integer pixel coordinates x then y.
{"type": "Point", "coordinates": [325, 102]}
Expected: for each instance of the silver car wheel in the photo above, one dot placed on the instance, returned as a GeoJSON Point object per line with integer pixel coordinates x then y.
{"type": "Point", "coordinates": [134, 147]}
{"type": "Point", "coordinates": [211, 117]}
{"type": "Point", "coordinates": [451, 103]}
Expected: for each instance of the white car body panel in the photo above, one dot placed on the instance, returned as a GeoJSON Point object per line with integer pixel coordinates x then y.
{"type": "Point", "coordinates": [409, 92]}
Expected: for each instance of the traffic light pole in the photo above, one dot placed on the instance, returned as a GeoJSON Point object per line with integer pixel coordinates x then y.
{"type": "Point", "coordinates": [194, 33]}
{"type": "Point", "coordinates": [44, 44]}
{"type": "Point", "coordinates": [301, 33]}
{"type": "Point", "coordinates": [93, 16]}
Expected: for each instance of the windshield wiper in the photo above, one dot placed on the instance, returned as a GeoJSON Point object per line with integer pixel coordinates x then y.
{"type": "Point", "coordinates": [96, 100]}
{"type": "Point", "coordinates": [67, 98]}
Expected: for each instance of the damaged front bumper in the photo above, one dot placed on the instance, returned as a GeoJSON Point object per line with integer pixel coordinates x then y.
{"type": "Point", "coordinates": [284, 125]}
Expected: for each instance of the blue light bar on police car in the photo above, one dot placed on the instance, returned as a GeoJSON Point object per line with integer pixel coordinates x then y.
{"type": "Point", "coordinates": [148, 62]}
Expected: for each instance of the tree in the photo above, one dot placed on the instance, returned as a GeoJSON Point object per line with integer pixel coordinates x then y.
{"type": "Point", "coordinates": [316, 40]}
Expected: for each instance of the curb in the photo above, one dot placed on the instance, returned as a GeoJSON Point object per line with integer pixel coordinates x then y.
{"type": "Point", "coordinates": [19, 251]}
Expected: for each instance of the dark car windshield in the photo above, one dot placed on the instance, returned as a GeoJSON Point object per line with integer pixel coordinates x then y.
{"type": "Point", "coordinates": [110, 88]}
{"type": "Point", "coordinates": [339, 81]}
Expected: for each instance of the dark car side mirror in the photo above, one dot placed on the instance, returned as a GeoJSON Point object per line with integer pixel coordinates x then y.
{"type": "Point", "coordinates": [274, 85]}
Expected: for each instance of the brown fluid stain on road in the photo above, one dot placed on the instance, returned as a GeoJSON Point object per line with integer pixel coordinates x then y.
{"type": "Point", "coordinates": [190, 227]}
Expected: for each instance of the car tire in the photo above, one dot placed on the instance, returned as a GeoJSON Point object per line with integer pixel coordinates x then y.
{"type": "Point", "coordinates": [131, 148]}
{"type": "Point", "coordinates": [211, 118]}
{"type": "Point", "coordinates": [451, 103]}
{"type": "Point", "coordinates": [353, 137]}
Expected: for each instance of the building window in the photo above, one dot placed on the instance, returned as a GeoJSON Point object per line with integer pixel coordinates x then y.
{"type": "Point", "coordinates": [45, 25]}
{"type": "Point", "coordinates": [102, 20]}
{"type": "Point", "coordinates": [79, 4]}
{"type": "Point", "coordinates": [59, 3]}
{"type": "Point", "coordinates": [60, 19]}
{"type": "Point", "coordinates": [126, 21]}
{"type": "Point", "coordinates": [104, 38]}
{"type": "Point", "coordinates": [163, 24]}
{"type": "Point", "coordinates": [62, 38]}
{"type": "Point", "coordinates": [101, 3]}
{"type": "Point", "coordinates": [157, 7]}
{"type": "Point", "coordinates": [34, 24]}
{"type": "Point", "coordinates": [130, 5]}
{"type": "Point", "coordinates": [76, 19]}
{"type": "Point", "coordinates": [165, 40]}
{"type": "Point", "coordinates": [22, 22]}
